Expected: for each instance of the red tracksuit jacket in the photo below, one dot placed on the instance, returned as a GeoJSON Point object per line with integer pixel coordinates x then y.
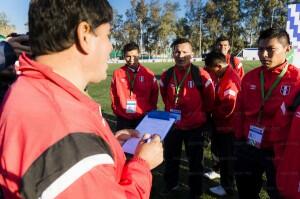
{"type": "Point", "coordinates": [249, 102]}
{"type": "Point", "coordinates": [227, 89]}
{"type": "Point", "coordinates": [238, 66]}
{"type": "Point", "coordinates": [192, 105]}
{"type": "Point", "coordinates": [145, 92]}
{"type": "Point", "coordinates": [288, 172]}
{"type": "Point", "coordinates": [56, 144]}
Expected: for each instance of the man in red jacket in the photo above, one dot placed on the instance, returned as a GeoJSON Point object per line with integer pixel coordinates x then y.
{"type": "Point", "coordinates": [54, 141]}
{"type": "Point", "coordinates": [266, 91]}
{"type": "Point", "coordinates": [227, 85]}
{"type": "Point", "coordinates": [182, 98]}
{"type": "Point", "coordinates": [223, 46]}
{"type": "Point", "coordinates": [134, 89]}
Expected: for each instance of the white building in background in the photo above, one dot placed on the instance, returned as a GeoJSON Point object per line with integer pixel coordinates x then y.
{"type": "Point", "coordinates": [248, 54]}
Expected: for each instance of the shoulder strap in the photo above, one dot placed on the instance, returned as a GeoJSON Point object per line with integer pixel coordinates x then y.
{"type": "Point", "coordinates": [196, 77]}
{"type": "Point", "coordinates": [296, 103]}
{"type": "Point", "coordinates": [169, 74]}
{"type": "Point", "coordinates": [232, 61]}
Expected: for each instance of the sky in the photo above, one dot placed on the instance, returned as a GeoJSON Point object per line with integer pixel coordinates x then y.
{"type": "Point", "coordinates": [16, 11]}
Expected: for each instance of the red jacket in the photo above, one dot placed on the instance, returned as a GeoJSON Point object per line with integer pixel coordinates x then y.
{"type": "Point", "coordinates": [192, 105]}
{"type": "Point", "coordinates": [227, 89]}
{"type": "Point", "coordinates": [249, 102]}
{"type": "Point", "coordinates": [288, 172]}
{"type": "Point", "coordinates": [56, 144]}
{"type": "Point", "coordinates": [238, 66]}
{"type": "Point", "coordinates": [145, 92]}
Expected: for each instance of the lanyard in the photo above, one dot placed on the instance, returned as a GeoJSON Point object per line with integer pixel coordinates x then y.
{"type": "Point", "coordinates": [265, 97]}
{"type": "Point", "coordinates": [178, 86]}
{"type": "Point", "coordinates": [131, 81]}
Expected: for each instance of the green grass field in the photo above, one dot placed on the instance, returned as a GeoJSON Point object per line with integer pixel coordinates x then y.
{"type": "Point", "coordinates": [100, 92]}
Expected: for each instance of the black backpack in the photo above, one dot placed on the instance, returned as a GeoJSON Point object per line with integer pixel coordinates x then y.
{"type": "Point", "coordinates": [208, 127]}
{"type": "Point", "coordinates": [195, 76]}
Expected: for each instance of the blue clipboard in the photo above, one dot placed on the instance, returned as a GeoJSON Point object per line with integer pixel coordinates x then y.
{"type": "Point", "coordinates": [155, 122]}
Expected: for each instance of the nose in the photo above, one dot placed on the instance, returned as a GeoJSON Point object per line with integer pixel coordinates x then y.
{"type": "Point", "coordinates": [180, 54]}
{"type": "Point", "coordinates": [131, 58]}
{"type": "Point", "coordinates": [265, 53]}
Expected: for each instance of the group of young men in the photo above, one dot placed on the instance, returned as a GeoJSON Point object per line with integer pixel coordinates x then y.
{"type": "Point", "coordinates": [250, 113]}
{"type": "Point", "coordinates": [56, 144]}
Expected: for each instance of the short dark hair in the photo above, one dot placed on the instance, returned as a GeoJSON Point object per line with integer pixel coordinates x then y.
{"type": "Point", "coordinates": [53, 23]}
{"type": "Point", "coordinates": [214, 58]}
{"type": "Point", "coordinates": [180, 41]}
{"type": "Point", "coordinates": [278, 33]}
{"type": "Point", "coordinates": [222, 38]}
{"type": "Point", "coordinates": [130, 46]}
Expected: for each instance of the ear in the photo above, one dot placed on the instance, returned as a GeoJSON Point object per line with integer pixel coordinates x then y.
{"type": "Point", "coordinates": [84, 36]}
{"type": "Point", "coordinates": [219, 66]}
{"type": "Point", "coordinates": [288, 48]}
{"type": "Point", "coordinates": [192, 54]}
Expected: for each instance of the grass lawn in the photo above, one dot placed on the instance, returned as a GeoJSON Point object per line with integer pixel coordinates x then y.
{"type": "Point", "coordinates": [100, 92]}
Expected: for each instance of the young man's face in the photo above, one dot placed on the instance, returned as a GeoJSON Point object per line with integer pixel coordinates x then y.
{"type": "Point", "coordinates": [183, 54]}
{"type": "Point", "coordinates": [132, 58]}
{"type": "Point", "coordinates": [224, 47]}
{"type": "Point", "coordinates": [216, 70]}
{"type": "Point", "coordinates": [272, 52]}
{"type": "Point", "coordinates": [101, 48]}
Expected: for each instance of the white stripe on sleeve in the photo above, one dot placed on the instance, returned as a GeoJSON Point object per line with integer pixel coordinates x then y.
{"type": "Point", "coordinates": [161, 83]}
{"type": "Point", "coordinates": [229, 92]}
{"type": "Point", "coordinates": [74, 173]}
{"type": "Point", "coordinates": [208, 82]}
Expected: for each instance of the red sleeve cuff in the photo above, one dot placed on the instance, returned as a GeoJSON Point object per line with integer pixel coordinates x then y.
{"type": "Point", "coordinates": [140, 161]}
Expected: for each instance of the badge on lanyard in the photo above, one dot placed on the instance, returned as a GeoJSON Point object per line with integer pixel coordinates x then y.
{"type": "Point", "coordinates": [131, 106]}
{"type": "Point", "coordinates": [176, 113]}
{"type": "Point", "coordinates": [256, 132]}
{"type": "Point", "coordinates": [255, 136]}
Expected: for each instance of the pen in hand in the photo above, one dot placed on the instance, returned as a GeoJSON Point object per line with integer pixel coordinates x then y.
{"type": "Point", "coordinates": [147, 140]}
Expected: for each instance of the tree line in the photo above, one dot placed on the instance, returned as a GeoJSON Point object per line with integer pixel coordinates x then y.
{"type": "Point", "coordinates": [5, 27]}
{"type": "Point", "coordinates": [155, 24]}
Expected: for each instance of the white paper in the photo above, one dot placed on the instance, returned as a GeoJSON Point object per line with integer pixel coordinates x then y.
{"type": "Point", "coordinates": [149, 125]}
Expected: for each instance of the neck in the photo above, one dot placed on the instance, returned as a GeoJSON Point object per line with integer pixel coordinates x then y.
{"type": "Point", "coordinates": [274, 67]}
{"type": "Point", "coordinates": [183, 67]}
{"type": "Point", "coordinates": [70, 68]}
{"type": "Point", "coordinates": [134, 66]}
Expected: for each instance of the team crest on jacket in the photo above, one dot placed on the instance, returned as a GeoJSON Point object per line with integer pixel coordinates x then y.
{"type": "Point", "coordinates": [285, 90]}
{"type": "Point", "coordinates": [252, 87]}
{"type": "Point", "coordinates": [191, 84]}
{"type": "Point", "coordinates": [141, 78]}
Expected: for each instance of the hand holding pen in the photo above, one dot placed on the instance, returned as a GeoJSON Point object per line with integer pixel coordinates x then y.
{"type": "Point", "coordinates": [151, 150]}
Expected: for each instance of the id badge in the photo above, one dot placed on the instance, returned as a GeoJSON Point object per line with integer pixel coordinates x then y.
{"type": "Point", "coordinates": [176, 113]}
{"type": "Point", "coordinates": [255, 136]}
{"type": "Point", "coordinates": [131, 106]}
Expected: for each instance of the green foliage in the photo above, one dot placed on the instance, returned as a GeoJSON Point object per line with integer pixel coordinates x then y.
{"type": "Point", "coordinates": [5, 27]}
{"type": "Point", "coordinates": [204, 21]}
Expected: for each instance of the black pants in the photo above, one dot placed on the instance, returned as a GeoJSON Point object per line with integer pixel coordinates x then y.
{"type": "Point", "coordinates": [223, 146]}
{"type": "Point", "coordinates": [123, 123]}
{"type": "Point", "coordinates": [193, 142]}
{"type": "Point", "coordinates": [250, 165]}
